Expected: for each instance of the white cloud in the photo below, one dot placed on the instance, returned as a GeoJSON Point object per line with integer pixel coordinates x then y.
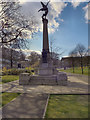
{"type": "Point", "coordinates": [86, 8]}
{"type": "Point", "coordinates": [75, 4]}
{"type": "Point", "coordinates": [23, 1]}
{"type": "Point", "coordinates": [87, 11]}
{"type": "Point", "coordinates": [55, 9]}
{"type": "Point", "coordinates": [31, 8]}
{"type": "Point", "coordinates": [28, 52]}
{"type": "Point", "coordinates": [54, 0]}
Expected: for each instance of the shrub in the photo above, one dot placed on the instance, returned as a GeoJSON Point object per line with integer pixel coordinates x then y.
{"type": "Point", "coordinates": [4, 70]}
{"type": "Point", "coordinates": [15, 71]}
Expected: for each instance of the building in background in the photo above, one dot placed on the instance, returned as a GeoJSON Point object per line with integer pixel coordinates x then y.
{"type": "Point", "coordinates": [11, 58]}
{"type": "Point", "coordinates": [66, 62]}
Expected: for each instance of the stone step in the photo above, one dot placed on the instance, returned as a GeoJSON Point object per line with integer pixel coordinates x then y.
{"type": "Point", "coordinates": [59, 79]}
{"type": "Point", "coordinates": [43, 77]}
{"type": "Point", "coordinates": [43, 80]}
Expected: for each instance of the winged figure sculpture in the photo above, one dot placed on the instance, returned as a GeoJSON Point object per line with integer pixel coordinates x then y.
{"type": "Point", "coordinates": [45, 8]}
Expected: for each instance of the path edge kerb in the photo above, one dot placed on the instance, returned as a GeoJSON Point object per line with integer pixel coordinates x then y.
{"type": "Point", "coordinates": [46, 106]}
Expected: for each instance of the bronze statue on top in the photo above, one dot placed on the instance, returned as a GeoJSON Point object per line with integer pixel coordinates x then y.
{"type": "Point", "coordinates": [45, 8]}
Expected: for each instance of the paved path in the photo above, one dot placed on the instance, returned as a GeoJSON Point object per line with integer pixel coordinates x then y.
{"type": "Point", "coordinates": [26, 106]}
{"type": "Point", "coordinates": [76, 85]}
{"type": "Point", "coordinates": [79, 77]}
{"type": "Point", "coordinates": [31, 103]}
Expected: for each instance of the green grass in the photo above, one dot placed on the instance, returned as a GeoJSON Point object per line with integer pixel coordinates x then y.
{"type": "Point", "coordinates": [7, 97]}
{"type": "Point", "coordinates": [9, 78]}
{"type": "Point", "coordinates": [67, 106]}
{"type": "Point", "coordinates": [77, 70]}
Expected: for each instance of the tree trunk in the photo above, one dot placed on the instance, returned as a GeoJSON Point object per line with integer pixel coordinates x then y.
{"type": "Point", "coordinates": [73, 64]}
{"type": "Point", "coordinates": [82, 63]}
{"type": "Point", "coordinates": [11, 59]}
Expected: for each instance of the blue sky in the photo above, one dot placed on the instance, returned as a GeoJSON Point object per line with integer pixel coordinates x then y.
{"type": "Point", "coordinates": [71, 31]}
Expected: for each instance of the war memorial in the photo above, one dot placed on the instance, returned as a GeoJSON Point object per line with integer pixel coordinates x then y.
{"type": "Point", "coordinates": [47, 73]}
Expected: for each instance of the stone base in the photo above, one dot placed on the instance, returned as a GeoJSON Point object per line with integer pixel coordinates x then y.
{"type": "Point", "coordinates": [59, 79]}
{"type": "Point", "coordinates": [47, 69]}
{"type": "Point", "coordinates": [43, 71]}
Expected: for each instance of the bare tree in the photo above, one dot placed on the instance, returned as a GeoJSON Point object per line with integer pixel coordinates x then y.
{"type": "Point", "coordinates": [12, 56]}
{"type": "Point", "coordinates": [81, 51]}
{"type": "Point", "coordinates": [16, 56]}
{"type": "Point", "coordinates": [14, 28]}
{"type": "Point", "coordinates": [34, 57]}
{"type": "Point", "coordinates": [55, 51]}
{"type": "Point", "coordinates": [72, 54]}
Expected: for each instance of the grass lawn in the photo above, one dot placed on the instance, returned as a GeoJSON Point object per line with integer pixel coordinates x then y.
{"type": "Point", "coordinates": [77, 70]}
{"type": "Point", "coordinates": [7, 97]}
{"type": "Point", "coordinates": [9, 78]}
{"type": "Point", "coordinates": [67, 106]}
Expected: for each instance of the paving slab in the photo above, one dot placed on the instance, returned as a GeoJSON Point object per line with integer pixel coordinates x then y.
{"type": "Point", "coordinates": [26, 106]}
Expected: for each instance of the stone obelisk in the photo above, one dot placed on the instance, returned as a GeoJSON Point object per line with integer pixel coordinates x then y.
{"type": "Point", "coordinates": [45, 36]}
{"type": "Point", "coordinates": [45, 50]}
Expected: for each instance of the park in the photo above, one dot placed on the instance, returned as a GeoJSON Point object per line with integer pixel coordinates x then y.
{"type": "Point", "coordinates": [46, 83]}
